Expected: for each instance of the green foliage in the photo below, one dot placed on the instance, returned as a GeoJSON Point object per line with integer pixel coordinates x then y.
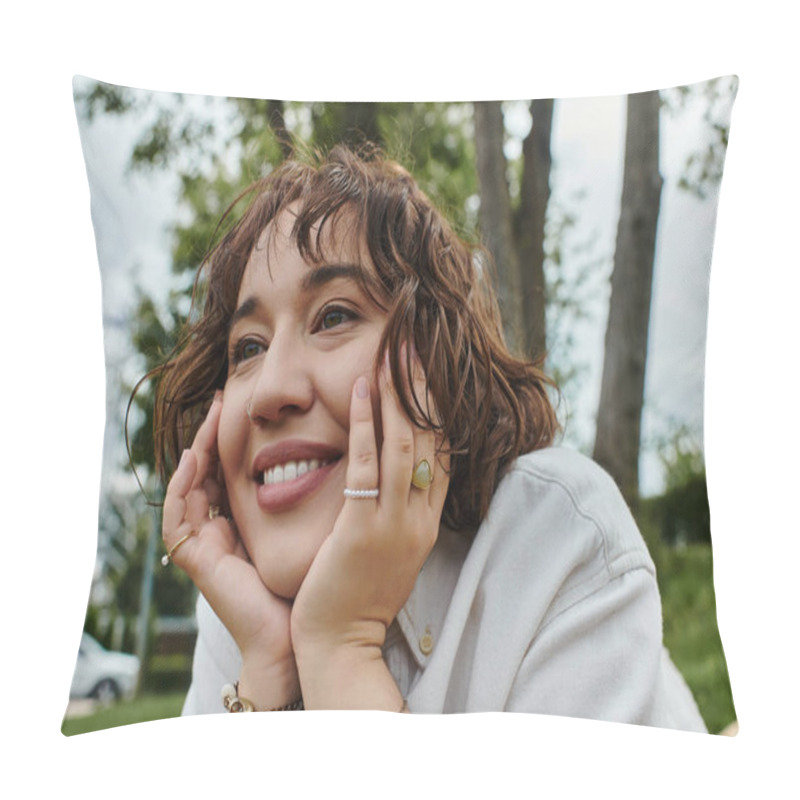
{"type": "Point", "coordinates": [154, 337]}
{"type": "Point", "coordinates": [703, 170]}
{"type": "Point", "coordinates": [434, 140]}
{"type": "Point", "coordinates": [124, 551]}
{"type": "Point", "coordinates": [681, 513]}
{"type": "Point", "coordinates": [691, 634]}
{"type": "Point", "coordinates": [568, 296]}
{"type": "Point", "coordinates": [168, 673]}
{"type": "Point", "coordinates": [675, 526]}
{"type": "Point", "coordinates": [173, 591]}
{"type": "Point", "coordinates": [103, 98]}
{"type": "Point", "coordinates": [682, 459]}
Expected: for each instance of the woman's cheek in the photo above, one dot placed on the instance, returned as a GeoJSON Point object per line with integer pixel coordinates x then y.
{"type": "Point", "coordinates": [227, 445]}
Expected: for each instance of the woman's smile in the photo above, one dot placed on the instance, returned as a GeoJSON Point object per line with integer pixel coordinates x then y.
{"type": "Point", "coordinates": [288, 472]}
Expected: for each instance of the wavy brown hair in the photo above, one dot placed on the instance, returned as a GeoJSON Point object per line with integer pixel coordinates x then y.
{"type": "Point", "coordinates": [490, 406]}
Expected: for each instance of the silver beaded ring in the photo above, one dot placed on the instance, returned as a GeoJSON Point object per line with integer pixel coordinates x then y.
{"type": "Point", "coordinates": [360, 494]}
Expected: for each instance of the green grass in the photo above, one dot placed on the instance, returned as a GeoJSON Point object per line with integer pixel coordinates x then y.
{"type": "Point", "coordinates": [690, 629]}
{"type": "Point", "coordinates": [142, 709]}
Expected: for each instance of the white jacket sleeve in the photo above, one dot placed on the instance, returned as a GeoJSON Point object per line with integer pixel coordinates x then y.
{"type": "Point", "coordinates": [602, 658]}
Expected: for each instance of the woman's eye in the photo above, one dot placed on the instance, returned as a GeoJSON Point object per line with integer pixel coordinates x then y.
{"type": "Point", "coordinates": [334, 317]}
{"type": "Point", "coordinates": [248, 348]}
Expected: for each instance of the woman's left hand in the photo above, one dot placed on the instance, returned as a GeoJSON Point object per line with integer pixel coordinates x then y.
{"type": "Point", "coordinates": [365, 570]}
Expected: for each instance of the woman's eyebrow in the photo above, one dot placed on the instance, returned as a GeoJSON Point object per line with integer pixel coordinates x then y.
{"type": "Point", "coordinates": [313, 279]}
{"type": "Point", "coordinates": [326, 273]}
{"type": "Point", "coordinates": [246, 309]}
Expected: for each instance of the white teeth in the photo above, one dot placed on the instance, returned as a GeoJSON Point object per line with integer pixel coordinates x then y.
{"type": "Point", "coordinates": [290, 471]}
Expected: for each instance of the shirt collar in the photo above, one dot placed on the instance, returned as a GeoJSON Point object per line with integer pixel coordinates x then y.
{"type": "Point", "coordinates": [422, 617]}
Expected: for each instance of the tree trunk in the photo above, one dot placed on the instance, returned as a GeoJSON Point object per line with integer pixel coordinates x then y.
{"type": "Point", "coordinates": [361, 120]}
{"type": "Point", "coordinates": [622, 390]}
{"type": "Point", "coordinates": [275, 111]}
{"type": "Point", "coordinates": [534, 197]}
{"type": "Point", "coordinates": [496, 216]}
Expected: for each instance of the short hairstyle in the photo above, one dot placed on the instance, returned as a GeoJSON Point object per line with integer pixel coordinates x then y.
{"type": "Point", "coordinates": [490, 406]}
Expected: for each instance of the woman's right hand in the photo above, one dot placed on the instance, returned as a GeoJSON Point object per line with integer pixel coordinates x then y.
{"type": "Point", "coordinates": [215, 559]}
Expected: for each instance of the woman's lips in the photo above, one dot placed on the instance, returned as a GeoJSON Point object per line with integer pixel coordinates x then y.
{"type": "Point", "coordinates": [278, 497]}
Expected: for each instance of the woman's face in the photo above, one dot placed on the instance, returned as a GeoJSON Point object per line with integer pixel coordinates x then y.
{"type": "Point", "coordinates": [300, 337]}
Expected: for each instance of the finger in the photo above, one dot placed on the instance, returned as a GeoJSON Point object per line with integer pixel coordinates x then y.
{"type": "Point", "coordinates": [397, 450]}
{"type": "Point", "coordinates": [438, 491]}
{"type": "Point", "coordinates": [175, 504]}
{"type": "Point", "coordinates": [424, 438]}
{"type": "Point", "coordinates": [204, 448]}
{"type": "Point", "coordinates": [441, 450]}
{"type": "Point", "coordinates": [362, 456]}
{"type": "Point", "coordinates": [204, 445]}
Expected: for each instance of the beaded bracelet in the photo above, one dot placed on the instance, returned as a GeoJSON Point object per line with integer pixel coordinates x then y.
{"type": "Point", "coordinates": [236, 704]}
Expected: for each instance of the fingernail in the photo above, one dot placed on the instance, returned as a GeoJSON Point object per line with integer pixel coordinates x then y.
{"type": "Point", "coordinates": [362, 388]}
{"type": "Point", "coordinates": [218, 395]}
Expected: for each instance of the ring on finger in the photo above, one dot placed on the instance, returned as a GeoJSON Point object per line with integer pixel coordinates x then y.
{"type": "Point", "coordinates": [167, 557]}
{"type": "Point", "coordinates": [213, 512]}
{"type": "Point", "coordinates": [360, 494]}
{"type": "Point", "coordinates": [422, 476]}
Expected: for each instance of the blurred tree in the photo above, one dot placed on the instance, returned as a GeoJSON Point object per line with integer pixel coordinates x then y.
{"type": "Point", "coordinates": [515, 232]}
{"type": "Point", "coordinates": [530, 225]}
{"type": "Point", "coordinates": [496, 214]}
{"type": "Point", "coordinates": [622, 387]}
{"type": "Point", "coordinates": [125, 526]}
{"type": "Point", "coordinates": [617, 440]}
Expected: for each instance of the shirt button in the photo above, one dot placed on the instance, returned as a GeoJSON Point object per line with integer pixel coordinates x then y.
{"type": "Point", "coordinates": [426, 642]}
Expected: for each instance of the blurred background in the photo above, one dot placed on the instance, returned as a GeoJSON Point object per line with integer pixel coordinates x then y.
{"type": "Point", "coordinates": [600, 215]}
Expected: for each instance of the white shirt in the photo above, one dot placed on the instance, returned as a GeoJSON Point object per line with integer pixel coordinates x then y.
{"type": "Point", "coordinates": [551, 608]}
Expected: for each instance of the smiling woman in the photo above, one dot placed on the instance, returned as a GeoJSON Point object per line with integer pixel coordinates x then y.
{"type": "Point", "coordinates": [371, 506]}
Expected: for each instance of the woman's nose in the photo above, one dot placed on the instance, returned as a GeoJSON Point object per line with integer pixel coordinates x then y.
{"type": "Point", "coordinates": [283, 384]}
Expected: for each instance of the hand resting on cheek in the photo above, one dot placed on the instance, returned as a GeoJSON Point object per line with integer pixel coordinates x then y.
{"type": "Point", "coordinates": [365, 570]}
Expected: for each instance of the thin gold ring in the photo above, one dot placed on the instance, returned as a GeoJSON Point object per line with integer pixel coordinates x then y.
{"type": "Point", "coordinates": [213, 512]}
{"type": "Point", "coordinates": [167, 557]}
{"type": "Point", "coordinates": [422, 476]}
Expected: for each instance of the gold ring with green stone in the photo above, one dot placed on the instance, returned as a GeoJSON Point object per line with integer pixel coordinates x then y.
{"type": "Point", "coordinates": [422, 476]}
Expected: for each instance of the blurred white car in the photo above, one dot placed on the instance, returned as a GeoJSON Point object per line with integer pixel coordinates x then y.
{"type": "Point", "coordinates": [103, 674]}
